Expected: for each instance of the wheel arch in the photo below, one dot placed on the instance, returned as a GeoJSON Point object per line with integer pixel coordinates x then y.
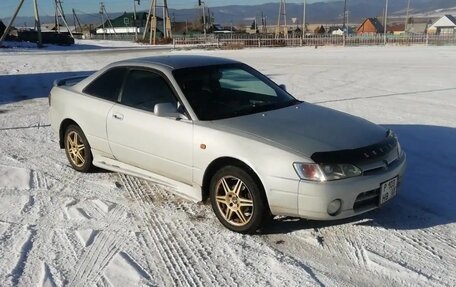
{"type": "Point", "coordinates": [63, 126]}
{"type": "Point", "coordinates": [221, 162]}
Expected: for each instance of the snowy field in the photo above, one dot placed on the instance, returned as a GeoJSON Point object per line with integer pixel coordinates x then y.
{"type": "Point", "coordinates": [59, 227]}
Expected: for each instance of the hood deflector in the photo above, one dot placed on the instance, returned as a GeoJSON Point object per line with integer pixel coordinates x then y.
{"type": "Point", "coordinates": [353, 156]}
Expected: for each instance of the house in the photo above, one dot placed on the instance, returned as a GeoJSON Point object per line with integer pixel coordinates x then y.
{"type": "Point", "coordinates": [370, 26]}
{"type": "Point", "coordinates": [444, 26]}
{"type": "Point", "coordinates": [125, 24]}
{"type": "Point", "coordinates": [396, 28]}
{"type": "Point", "coordinates": [334, 30]}
{"type": "Point", "coordinates": [417, 28]}
{"type": "Point", "coordinates": [320, 30]}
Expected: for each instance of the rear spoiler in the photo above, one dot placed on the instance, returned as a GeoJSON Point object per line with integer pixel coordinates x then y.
{"type": "Point", "coordinates": [69, 81]}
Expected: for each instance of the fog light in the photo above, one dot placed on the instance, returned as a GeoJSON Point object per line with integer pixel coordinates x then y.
{"type": "Point", "coordinates": [334, 207]}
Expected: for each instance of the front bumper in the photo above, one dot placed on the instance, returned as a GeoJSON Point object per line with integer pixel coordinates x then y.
{"type": "Point", "coordinates": [314, 197]}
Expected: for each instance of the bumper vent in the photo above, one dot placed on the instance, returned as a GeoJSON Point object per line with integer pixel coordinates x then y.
{"type": "Point", "coordinates": [367, 199]}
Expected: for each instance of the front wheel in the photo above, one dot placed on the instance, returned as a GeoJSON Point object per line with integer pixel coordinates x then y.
{"type": "Point", "coordinates": [77, 149]}
{"type": "Point", "coordinates": [237, 200]}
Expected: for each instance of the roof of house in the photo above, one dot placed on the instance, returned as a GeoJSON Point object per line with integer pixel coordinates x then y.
{"type": "Point", "coordinates": [418, 28]}
{"type": "Point", "coordinates": [445, 21]}
{"type": "Point", "coordinates": [397, 27]}
{"type": "Point", "coordinates": [375, 23]}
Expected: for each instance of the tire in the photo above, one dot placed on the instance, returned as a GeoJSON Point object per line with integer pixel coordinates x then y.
{"type": "Point", "coordinates": [237, 200]}
{"type": "Point", "coordinates": [77, 149]}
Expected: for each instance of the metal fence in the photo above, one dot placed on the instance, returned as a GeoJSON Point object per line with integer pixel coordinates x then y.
{"type": "Point", "coordinates": [240, 41]}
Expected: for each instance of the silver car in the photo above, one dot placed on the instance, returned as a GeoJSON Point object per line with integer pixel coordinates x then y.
{"type": "Point", "coordinates": [216, 128]}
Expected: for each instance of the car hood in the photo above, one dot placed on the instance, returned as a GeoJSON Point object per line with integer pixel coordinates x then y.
{"type": "Point", "coordinates": [306, 128]}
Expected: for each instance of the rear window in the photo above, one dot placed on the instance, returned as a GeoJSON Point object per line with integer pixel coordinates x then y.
{"type": "Point", "coordinates": [107, 86]}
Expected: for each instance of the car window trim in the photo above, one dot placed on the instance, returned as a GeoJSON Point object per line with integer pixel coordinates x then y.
{"type": "Point", "coordinates": [161, 74]}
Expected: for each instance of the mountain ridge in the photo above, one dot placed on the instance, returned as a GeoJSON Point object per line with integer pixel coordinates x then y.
{"type": "Point", "coordinates": [319, 12]}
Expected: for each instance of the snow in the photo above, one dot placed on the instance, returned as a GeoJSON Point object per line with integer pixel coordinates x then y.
{"type": "Point", "coordinates": [60, 227]}
{"type": "Point", "coordinates": [14, 178]}
{"type": "Point", "coordinates": [79, 45]}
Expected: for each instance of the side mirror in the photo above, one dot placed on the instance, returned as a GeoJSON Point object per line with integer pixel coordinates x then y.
{"type": "Point", "coordinates": [283, 87]}
{"type": "Point", "coordinates": [168, 110]}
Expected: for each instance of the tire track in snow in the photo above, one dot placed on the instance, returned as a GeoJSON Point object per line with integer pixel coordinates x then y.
{"type": "Point", "coordinates": [185, 253]}
{"type": "Point", "coordinates": [197, 243]}
{"type": "Point", "coordinates": [26, 248]}
{"type": "Point", "coordinates": [179, 270]}
{"type": "Point", "coordinates": [345, 240]}
{"type": "Point", "coordinates": [98, 255]}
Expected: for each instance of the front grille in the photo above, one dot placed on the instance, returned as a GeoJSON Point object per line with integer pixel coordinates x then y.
{"type": "Point", "coordinates": [367, 199]}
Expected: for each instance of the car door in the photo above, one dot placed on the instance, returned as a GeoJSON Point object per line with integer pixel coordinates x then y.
{"type": "Point", "coordinates": [138, 137]}
{"type": "Point", "coordinates": [102, 93]}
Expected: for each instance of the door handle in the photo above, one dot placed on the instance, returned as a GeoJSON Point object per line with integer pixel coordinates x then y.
{"type": "Point", "coordinates": [118, 116]}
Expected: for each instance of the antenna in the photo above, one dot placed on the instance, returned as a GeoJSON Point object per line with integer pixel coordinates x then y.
{"type": "Point", "coordinates": [282, 13]}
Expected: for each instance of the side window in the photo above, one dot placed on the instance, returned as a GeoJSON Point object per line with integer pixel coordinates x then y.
{"type": "Point", "coordinates": [241, 80]}
{"type": "Point", "coordinates": [144, 89]}
{"type": "Point", "coordinates": [107, 86]}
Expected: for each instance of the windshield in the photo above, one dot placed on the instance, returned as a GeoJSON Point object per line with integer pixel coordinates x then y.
{"type": "Point", "coordinates": [230, 90]}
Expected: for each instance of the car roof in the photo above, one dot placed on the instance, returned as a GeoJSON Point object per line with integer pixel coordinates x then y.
{"type": "Point", "coordinates": [174, 62]}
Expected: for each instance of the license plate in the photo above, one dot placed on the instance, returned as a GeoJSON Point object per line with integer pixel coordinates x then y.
{"type": "Point", "coordinates": [388, 190]}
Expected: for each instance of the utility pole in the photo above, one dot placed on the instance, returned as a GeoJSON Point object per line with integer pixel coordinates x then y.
{"type": "Point", "coordinates": [282, 12]}
{"type": "Point", "coordinates": [38, 24]}
{"type": "Point", "coordinates": [304, 14]}
{"type": "Point", "coordinates": [407, 17]}
{"type": "Point", "coordinates": [102, 20]}
{"type": "Point", "coordinates": [76, 21]}
{"type": "Point", "coordinates": [10, 24]}
{"type": "Point", "coordinates": [167, 32]}
{"type": "Point", "coordinates": [152, 22]}
{"type": "Point", "coordinates": [344, 25]}
{"type": "Point", "coordinates": [135, 19]}
{"type": "Point", "coordinates": [202, 4]}
{"type": "Point", "coordinates": [386, 22]}
{"type": "Point", "coordinates": [60, 15]}
{"type": "Point", "coordinates": [103, 11]}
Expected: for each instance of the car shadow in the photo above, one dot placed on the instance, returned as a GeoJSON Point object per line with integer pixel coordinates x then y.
{"type": "Point", "coordinates": [427, 197]}
{"type": "Point", "coordinates": [19, 87]}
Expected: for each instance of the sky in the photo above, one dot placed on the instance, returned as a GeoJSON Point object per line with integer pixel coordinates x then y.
{"type": "Point", "coordinates": [7, 7]}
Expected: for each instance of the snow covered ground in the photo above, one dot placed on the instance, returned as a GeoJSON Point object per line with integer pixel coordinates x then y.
{"type": "Point", "coordinates": [59, 227]}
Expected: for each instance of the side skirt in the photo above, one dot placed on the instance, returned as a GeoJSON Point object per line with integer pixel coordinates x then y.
{"type": "Point", "coordinates": [192, 193]}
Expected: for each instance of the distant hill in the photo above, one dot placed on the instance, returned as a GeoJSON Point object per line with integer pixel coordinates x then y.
{"type": "Point", "coordinates": [320, 12]}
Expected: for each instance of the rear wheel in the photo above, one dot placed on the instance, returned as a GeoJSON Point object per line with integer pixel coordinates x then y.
{"type": "Point", "coordinates": [237, 200]}
{"type": "Point", "coordinates": [77, 149]}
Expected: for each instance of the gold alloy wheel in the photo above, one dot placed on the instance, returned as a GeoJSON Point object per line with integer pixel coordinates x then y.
{"type": "Point", "coordinates": [76, 148]}
{"type": "Point", "coordinates": [234, 200]}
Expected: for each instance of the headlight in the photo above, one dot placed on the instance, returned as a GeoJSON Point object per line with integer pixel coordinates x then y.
{"type": "Point", "coordinates": [325, 172]}
{"type": "Point", "coordinates": [309, 171]}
